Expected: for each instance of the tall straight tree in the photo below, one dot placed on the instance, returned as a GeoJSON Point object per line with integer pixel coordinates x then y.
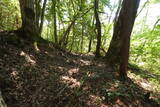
{"type": "Point", "coordinates": [40, 27]}
{"type": "Point", "coordinates": [28, 16]}
{"type": "Point", "coordinates": [98, 27]}
{"type": "Point", "coordinates": [54, 2]}
{"type": "Point", "coordinates": [118, 52]}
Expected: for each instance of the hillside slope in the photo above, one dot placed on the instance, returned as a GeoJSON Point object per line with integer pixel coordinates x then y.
{"type": "Point", "coordinates": [44, 76]}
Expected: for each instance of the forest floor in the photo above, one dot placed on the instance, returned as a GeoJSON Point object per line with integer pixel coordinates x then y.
{"type": "Point", "coordinates": [48, 77]}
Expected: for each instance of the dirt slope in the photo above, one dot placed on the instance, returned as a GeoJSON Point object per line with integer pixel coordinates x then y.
{"type": "Point", "coordinates": [48, 77]}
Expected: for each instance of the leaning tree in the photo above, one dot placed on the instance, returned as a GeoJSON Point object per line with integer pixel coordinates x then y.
{"type": "Point", "coordinates": [118, 52]}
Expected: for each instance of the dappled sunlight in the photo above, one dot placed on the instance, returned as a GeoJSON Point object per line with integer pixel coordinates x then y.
{"type": "Point", "coordinates": [36, 47]}
{"type": "Point", "coordinates": [145, 85]}
{"type": "Point", "coordinates": [76, 53]}
{"type": "Point", "coordinates": [100, 65]}
{"type": "Point", "coordinates": [73, 71]}
{"type": "Point", "coordinates": [73, 83]}
{"type": "Point", "coordinates": [14, 74]}
{"type": "Point", "coordinates": [140, 81]}
{"type": "Point", "coordinates": [118, 102]}
{"type": "Point", "coordinates": [61, 68]}
{"type": "Point", "coordinates": [28, 58]}
{"type": "Point", "coordinates": [67, 80]}
{"type": "Point", "coordinates": [114, 86]}
{"type": "Point", "coordinates": [85, 62]}
{"type": "Point", "coordinates": [94, 100]}
{"type": "Point", "coordinates": [91, 74]}
{"type": "Point", "coordinates": [46, 52]}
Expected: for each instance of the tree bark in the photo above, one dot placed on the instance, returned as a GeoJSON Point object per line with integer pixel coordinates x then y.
{"type": "Point", "coordinates": [62, 42]}
{"type": "Point", "coordinates": [90, 44]}
{"type": "Point", "coordinates": [37, 11]}
{"type": "Point", "coordinates": [29, 28]}
{"type": "Point", "coordinates": [117, 11]}
{"type": "Point", "coordinates": [28, 17]}
{"type": "Point", "coordinates": [82, 37]}
{"type": "Point", "coordinates": [91, 36]}
{"type": "Point", "coordinates": [55, 20]}
{"type": "Point", "coordinates": [73, 37]}
{"type": "Point", "coordinates": [98, 28]}
{"type": "Point", "coordinates": [118, 52]}
{"type": "Point", "coordinates": [42, 16]}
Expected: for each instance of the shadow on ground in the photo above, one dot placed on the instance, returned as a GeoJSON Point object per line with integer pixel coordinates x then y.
{"type": "Point", "coordinates": [47, 77]}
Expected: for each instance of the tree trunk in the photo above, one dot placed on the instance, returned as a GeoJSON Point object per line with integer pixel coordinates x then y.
{"type": "Point", "coordinates": [73, 37]}
{"type": "Point", "coordinates": [98, 28]}
{"type": "Point", "coordinates": [117, 11]}
{"type": "Point", "coordinates": [82, 37]}
{"type": "Point", "coordinates": [37, 11]}
{"type": "Point", "coordinates": [91, 36]}
{"type": "Point", "coordinates": [55, 20]}
{"type": "Point", "coordinates": [28, 17]}
{"type": "Point", "coordinates": [62, 42]}
{"type": "Point", "coordinates": [118, 52]}
{"type": "Point", "coordinates": [90, 44]}
{"type": "Point", "coordinates": [42, 16]}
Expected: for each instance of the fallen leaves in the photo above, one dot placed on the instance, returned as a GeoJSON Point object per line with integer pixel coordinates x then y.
{"type": "Point", "coordinates": [53, 78]}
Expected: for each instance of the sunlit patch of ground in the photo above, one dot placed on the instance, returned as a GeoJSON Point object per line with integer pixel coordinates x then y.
{"type": "Point", "coordinates": [147, 85]}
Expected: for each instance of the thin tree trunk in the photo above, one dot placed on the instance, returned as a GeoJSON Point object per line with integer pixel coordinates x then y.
{"type": "Point", "coordinates": [37, 11]}
{"type": "Point", "coordinates": [73, 34]}
{"type": "Point", "coordinates": [42, 16]}
{"type": "Point", "coordinates": [112, 10]}
{"type": "Point", "coordinates": [90, 44]}
{"type": "Point", "coordinates": [63, 40]}
{"type": "Point", "coordinates": [98, 28]}
{"type": "Point", "coordinates": [158, 20]}
{"type": "Point", "coordinates": [82, 38]}
{"type": "Point", "coordinates": [91, 36]}
{"type": "Point", "coordinates": [66, 33]}
{"type": "Point", "coordinates": [55, 20]}
{"type": "Point", "coordinates": [142, 7]}
{"type": "Point", "coordinates": [117, 12]}
{"type": "Point", "coordinates": [48, 30]}
{"type": "Point", "coordinates": [114, 20]}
